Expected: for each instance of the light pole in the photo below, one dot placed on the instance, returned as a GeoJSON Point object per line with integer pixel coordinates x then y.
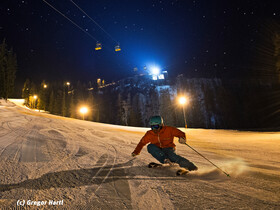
{"type": "Point", "coordinates": [68, 85]}
{"type": "Point", "coordinates": [83, 111]}
{"type": "Point", "coordinates": [43, 97]}
{"type": "Point", "coordinates": [182, 101]}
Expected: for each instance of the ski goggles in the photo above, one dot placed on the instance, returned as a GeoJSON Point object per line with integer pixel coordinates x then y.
{"type": "Point", "coordinates": [155, 127]}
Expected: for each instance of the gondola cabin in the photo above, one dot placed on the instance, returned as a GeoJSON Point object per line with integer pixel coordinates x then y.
{"type": "Point", "coordinates": [98, 46]}
{"type": "Point", "coordinates": [117, 48]}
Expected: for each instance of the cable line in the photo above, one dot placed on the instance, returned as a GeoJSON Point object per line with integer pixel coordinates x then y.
{"type": "Point", "coordinates": [70, 20]}
{"type": "Point", "coordinates": [94, 22]}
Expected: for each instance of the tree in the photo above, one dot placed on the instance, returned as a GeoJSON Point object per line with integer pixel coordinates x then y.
{"type": "Point", "coordinates": [135, 117]}
{"type": "Point", "coordinates": [122, 111]}
{"type": "Point", "coordinates": [8, 67]}
{"type": "Point", "coordinates": [58, 97]}
{"type": "Point", "coordinates": [63, 107]}
{"type": "Point", "coordinates": [166, 107]}
{"type": "Point", "coordinates": [51, 104]}
{"type": "Point", "coordinates": [26, 92]}
{"type": "Point", "coordinates": [90, 103]}
{"type": "Point", "coordinates": [42, 101]}
{"type": "Point", "coordinates": [72, 110]}
{"type": "Point", "coordinates": [3, 68]}
{"type": "Point", "coordinates": [32, 92]}
{"type": "Point", "coordinates": [276, 42]}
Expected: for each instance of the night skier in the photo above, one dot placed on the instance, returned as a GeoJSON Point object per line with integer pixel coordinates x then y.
{"type": "Point", "coordinates": [162, 146]}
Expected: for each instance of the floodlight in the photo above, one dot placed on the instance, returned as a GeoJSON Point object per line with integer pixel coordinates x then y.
{"type": "Point", "coordinates": [155, 70]}
{"type": "Point", "coordinates": [182, 100]}
{"type": "Point", "coordinates": [154, 77]}
{"type": "Point", "coordinates": [161, 76]}
{"type": "Point", "coordinates": [84, 110]}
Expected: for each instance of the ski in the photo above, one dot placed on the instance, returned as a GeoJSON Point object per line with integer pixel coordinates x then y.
{"type": "Point", "coordinates": [154, 165]}
{"type": "Point", "coordinates": [179, 172]}
{"type": "Point", "coordinates": [182, 172]}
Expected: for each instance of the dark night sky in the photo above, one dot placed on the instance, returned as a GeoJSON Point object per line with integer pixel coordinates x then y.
{"type": "Point", "coordinates": [197, 38]}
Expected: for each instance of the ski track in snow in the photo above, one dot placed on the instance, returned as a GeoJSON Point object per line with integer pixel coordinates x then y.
{"type": "Point", "coordinates": [88, 166]}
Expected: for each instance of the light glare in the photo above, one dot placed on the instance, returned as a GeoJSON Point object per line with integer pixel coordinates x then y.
{"type": "Point", "coordinates": [182, 100]}
{"type": "Point", "coordinates": [161, 76]}
{"type": "Point", "coordinates": [155, 70]}
{"type": "Point", "coordinates": [154, 77]}
{"type": "Point", "coordinates": [84, 110]}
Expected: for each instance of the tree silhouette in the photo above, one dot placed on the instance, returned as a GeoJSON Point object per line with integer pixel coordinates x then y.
{"type": "Point", "coordinates": [8, 68]}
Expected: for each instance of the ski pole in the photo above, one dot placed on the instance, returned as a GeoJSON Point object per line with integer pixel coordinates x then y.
{"type": "Point", "coordinates": [208, 160]}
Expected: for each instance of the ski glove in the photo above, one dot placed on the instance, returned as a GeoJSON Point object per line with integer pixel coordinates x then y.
{"type": "Point", "coordinates": [133, 154]}
{"type": "Point", "coordinates": [182, 140]}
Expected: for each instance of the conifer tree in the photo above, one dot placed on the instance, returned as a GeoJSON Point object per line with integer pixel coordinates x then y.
{"type": "Point", "coordinates": [26, 92]}
{"type": "Point", "coordinates": [121, 114]}
{"type": "Point", "coordinates": [72, 107]}
{"type": "Point", "coordinates": [8, 67]}
{"type": "Point", "coordinates": [42, 101]}
{"type": "Point", "coordinates": [33, 92]}
{"type": "Point", "coordinates": [166, 107]}
{"type": "Point", "coordinates": [51, 104]}
{"type": "Point", "coordinates": [135, 118]}
{"type": "Point", "coordinates": [63, 107]}
{"type": "Point", "coordinates": [276, 42]}
{"type": "Point", "coordinates": [58, 96]}
{"type": "Point", "coordinates": [3, 66]}
{"type": "Point", "coordinates": [11, 73]}
{"type": "Point", "coordinates": [90, 103]}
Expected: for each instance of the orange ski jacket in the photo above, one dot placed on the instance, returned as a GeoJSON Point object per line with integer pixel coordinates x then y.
{"type": "Point", "coordinates": [162, 139]}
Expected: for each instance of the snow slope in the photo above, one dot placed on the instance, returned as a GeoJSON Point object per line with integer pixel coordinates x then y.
{"type": "Point", "coordinates": [86, 165]}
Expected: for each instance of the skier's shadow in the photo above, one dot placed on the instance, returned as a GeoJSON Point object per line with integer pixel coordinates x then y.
{"type": "Point", "coordinates": [83, 177]}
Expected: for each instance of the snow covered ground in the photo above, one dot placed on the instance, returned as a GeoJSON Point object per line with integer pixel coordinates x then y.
{"type": "Point", "coordinates": [47, 160]}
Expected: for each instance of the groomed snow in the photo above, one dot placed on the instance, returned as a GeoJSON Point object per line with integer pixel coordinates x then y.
{"type": "Point", "coordinates": [48, 160]}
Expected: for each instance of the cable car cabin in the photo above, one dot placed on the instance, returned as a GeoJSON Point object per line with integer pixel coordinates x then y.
{"type": "Point", "coordinates": [98, 46]}
{"type": "Point", "coordinates": [117, 48]}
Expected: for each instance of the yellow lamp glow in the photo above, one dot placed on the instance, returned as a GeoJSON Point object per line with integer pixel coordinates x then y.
{"type": "Point", "coordinates": [83, 111]}
{"type": "Point", "coordinates": [182, 100]}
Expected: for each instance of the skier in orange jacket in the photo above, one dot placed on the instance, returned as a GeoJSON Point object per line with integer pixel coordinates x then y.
{"type": "Point", "coordinates": [161, 144]}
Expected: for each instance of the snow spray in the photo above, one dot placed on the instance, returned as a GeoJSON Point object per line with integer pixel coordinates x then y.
{"type": "Point", "coordinates": [209, 160]}
{"type": "Point", "coordinates": [236, 166]}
